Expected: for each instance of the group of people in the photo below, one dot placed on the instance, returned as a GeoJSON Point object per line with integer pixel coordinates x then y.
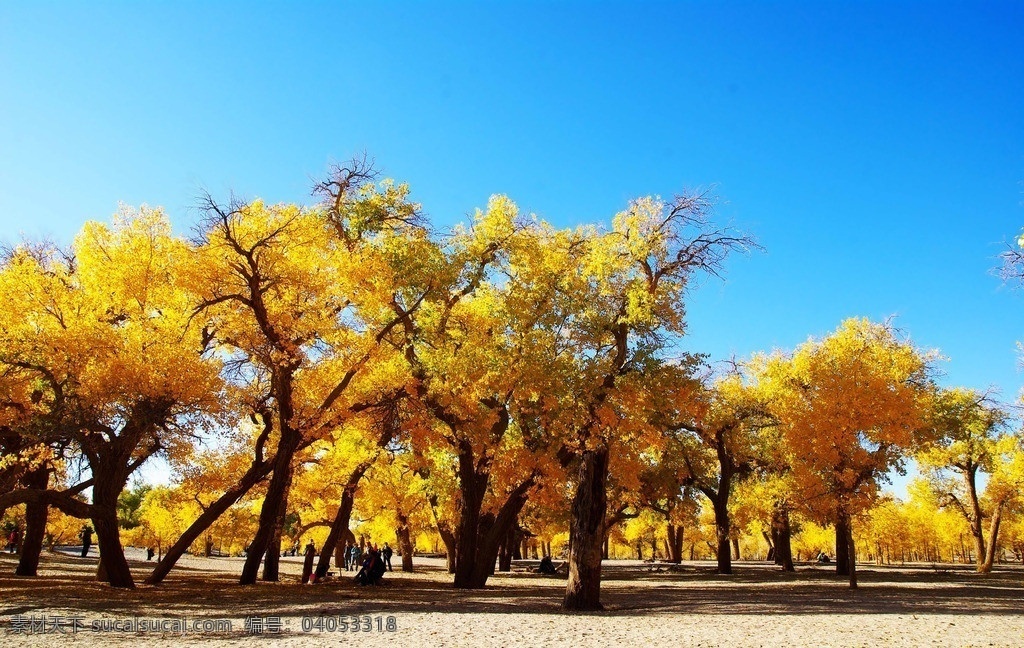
{"type": "Point", "coordinates": [371, 565]}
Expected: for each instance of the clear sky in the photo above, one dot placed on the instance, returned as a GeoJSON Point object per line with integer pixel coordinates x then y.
{"type": "Point", "coordinates": [875, 149]}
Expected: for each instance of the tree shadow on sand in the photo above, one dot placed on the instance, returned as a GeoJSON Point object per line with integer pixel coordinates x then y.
{"type": "Point", "coordinates": [67, 584]}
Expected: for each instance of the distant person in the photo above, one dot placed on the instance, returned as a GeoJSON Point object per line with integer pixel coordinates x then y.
{"type": "Point", "coordinates": [345, 555]}
{"type": "Point", "coordinates": [149, 553]}
{"type": "Point", "coordinates": [86, 537]}
{"type": "Point", "coordinates": [357, 555]}
{"type": "Point", "coordinates": [13, 539]}
{"type": "Point", "coordinates": [307, 563]}
{"type": "Point", "coordinates": [385, 555]}
{"type": "Point", "coordinates": [546, 566]}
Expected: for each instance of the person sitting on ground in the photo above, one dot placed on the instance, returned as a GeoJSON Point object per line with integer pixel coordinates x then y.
{"type": "Point", "coordinates": [372, 571]}
{"type": "Point", "coordinates": [546, 566]}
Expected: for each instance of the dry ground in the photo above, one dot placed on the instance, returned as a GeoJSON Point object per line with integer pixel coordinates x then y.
{"type": "Point", "coordinates": [690, 606]}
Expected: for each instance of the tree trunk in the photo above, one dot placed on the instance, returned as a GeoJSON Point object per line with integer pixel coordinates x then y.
{"type": "Point", "coordinates": [852, 554]}
{"type": "Point", "coordinates": [472, 487]}
{"type": "Point", "coordinates": [35, 526]}
{"type": "Point", "coordinates": [405, 543]}
{"type": "Point", "coordinates": [993, 539]}
{"type": "Point", "coordinates": [735, 548]}
{"type": "Point", "coordinates": [341, 519]}
{"type": "Point", "coordinates": [493, 529]}
{"type": "Point", "coordinates": [277, 490]}
{"type": "Point", "coordinates": [252, 477]}
{"type": "Point", "coordinates": [842, 545]}
{"type": "Point", "coordinates": [783, 535]}
{"type": "Point", "coordinates": [586, 527]}
{"type": "Point", "coordinates": [272, 562]}
{"type": "Point", "coordinates": [722, 530]}
{"type": "Point", "coordinates": [450, 543]}
{"type": "Point", "coordinates": [675, 544]}
{"type": "Point", "coordinates": [113, 566]}
{"type": "Point", "coordinates": [976, 520]}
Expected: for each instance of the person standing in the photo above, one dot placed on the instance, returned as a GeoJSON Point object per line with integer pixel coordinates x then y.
{"type": "Point", "coordinates": [86, 537]}
{"type": "Point", "coordinates": [307, 563]}
{"type": "Point", "coordinates": [386, 555]}
{"type": "Point", "coordinates": [357, 555]}
{"type": "Point", "coordinates": [13, 540]}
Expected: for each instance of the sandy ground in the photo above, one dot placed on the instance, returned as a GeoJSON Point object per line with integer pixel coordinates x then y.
{"type": "Point", "coordinates": [689, 606]}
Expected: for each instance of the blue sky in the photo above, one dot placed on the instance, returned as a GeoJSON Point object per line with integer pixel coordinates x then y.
{"type": "Point", "coordinates": [876, 150]}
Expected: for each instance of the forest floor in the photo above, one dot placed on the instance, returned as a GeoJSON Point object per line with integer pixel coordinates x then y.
{"type": "Point", "coordinates": [690, 605]}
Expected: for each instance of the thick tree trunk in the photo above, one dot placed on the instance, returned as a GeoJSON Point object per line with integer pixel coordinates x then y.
{"type": "Point", "coordinates": [783, 535]}
{"type": "Point", "coordinates": [35, 526]}
{"type": "Point", "coordinates": [675, 544]}
{"type": "Point", "coordinates": [493, 529]}
{"type": "Point", "coordinates": [341, 518]}
{"type": "Point", "coordinates": [722, 530]}
{"type": "Point", "coordinates": [405, 543]}
{"type": "Point", "coordinates": [272, 562]}
{"type": "Point", "coordinates": [32, 544]}
{"type": "Point", "coordinates": [980, 548]}
{"type": "Point", "coordinates": [842, 545]}
{"type": "Point", "coordinates": [114, 566]}
{"type": "Point", "coordinates": [252, 477]}
{"type": "Point", "coordinates": [993, 539]}
{"type": "Point", "coordinates": [472, 487]}
{"type": "Point", "coordinates": [586, 532]}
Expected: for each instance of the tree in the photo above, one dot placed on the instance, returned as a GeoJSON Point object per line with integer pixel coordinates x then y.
{"type": "Point", "coordinates": [968, 432]}
{"type": "Point", "coordinates": [298, 299]}
{"type": "Point", "coordinates": [629, 293]}
{"type": "Point", "coordinates": [483, 349]}
{"type": "Point", "coordinates": [850, 406]}
{"type": "Point", "coordinates": [103, 332]}
{"type": "Point", "coordinates": [725, 448]}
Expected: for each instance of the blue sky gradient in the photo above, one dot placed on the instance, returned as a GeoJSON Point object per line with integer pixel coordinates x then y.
{"type": "Point", "coordinates": [875, 149]}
